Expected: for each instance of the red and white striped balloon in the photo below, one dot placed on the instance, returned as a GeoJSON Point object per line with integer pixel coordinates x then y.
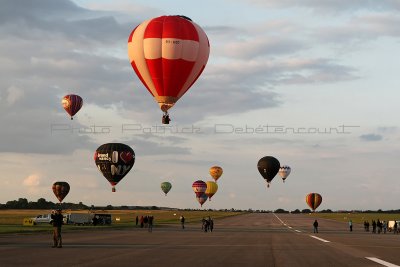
{"type": "Point", "coordinates": [168, 54]}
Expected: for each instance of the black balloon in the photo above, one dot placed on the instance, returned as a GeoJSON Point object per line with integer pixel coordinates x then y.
{"type": "Point", "coordinates": [114, 160]}
{"type": "Point", "coordinates": [268, 167]}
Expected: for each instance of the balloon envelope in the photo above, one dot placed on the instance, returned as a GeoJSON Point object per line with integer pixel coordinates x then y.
{"type": "Point", "coordinates": [60, 190]}
{"type": "Point", "coordinates": [216, 172]}
{"type": "Point", "coordinates": [165, 187]}
{"type": "Point", "coordinates": [284, 172]}
{"type": "Point", "coordinates": [168, 54]}
{"type": "Point", "coordinates": [202, 199]}
{"type": "Point", "coordinates": [268, 167]}
{"type": "Point", "coordinates": [72, 104]}
{"type": "Point", "coordinates": [212, 188]}
{"type": "Point", "coordinates": [114, 161]}
{"type": "Point", "coordinates": [313, 200]}
{"type": "Point", "coordinates": [199, 187]}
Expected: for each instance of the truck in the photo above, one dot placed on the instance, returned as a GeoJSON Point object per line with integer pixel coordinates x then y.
{"type": "Point", "coordinates": [45, 218]}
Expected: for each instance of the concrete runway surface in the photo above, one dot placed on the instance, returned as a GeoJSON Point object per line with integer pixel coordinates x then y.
{"type": "Point", "coordinates": [249, 240]}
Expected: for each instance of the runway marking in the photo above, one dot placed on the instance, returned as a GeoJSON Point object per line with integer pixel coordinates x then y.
{"type": "Point", "coordinates": [289, 227]}
{"type": "Point", "coordinates": [279, 219]}
{"type": "Point", "coordinates": [298, 231]}
{"type": "Point", "coordinates": [320, 239]}
{"type": "Point", "coordinates": [384, 263]}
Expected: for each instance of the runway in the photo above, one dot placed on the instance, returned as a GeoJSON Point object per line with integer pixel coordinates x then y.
{"type": "Point", "coordinates": [247, 240]}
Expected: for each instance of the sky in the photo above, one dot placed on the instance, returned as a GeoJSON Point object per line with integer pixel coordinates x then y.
{"type": "Point", "coordinates": [318, 79]}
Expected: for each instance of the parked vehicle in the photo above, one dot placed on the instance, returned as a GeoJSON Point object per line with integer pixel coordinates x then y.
{"type": "Point", "coordinates": [45, 218]}
{"type": "Point", "coordinates": [80, 218]}
{"type": "Point", "coordinates": [391, 225]}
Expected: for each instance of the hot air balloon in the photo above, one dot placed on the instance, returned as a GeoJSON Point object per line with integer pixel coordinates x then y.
{"type": "Point", "coordinates": [212, 188]}
{"type": "Point", "coordinates": [313, 200]}
{"type": "Point", "coordinates": [216, 172]}
{"type": "Point", "coordinates": [114, 160]}
{"type": "Point", "coordinates": [202, 199]}
{"type": "Point", "coordinates": [199, 187]}
{"type": "Point", "coordinates": [60, 190]}
{"type": "Point", "coordinates": [72, 104]}
{"type": "Point", "coordinates": [268, 167]}
{"type": "Point", "coordinates": [165, 187]}
{"type": "Point", "coordinates": [284, 172]}
{"type": "Point", "coordinates": [168, 54]}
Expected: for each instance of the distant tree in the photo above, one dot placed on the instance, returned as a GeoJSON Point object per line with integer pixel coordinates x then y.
{"type": "Point", "coordinates": [281, 211]}
{"type": "Point", "coordinates": [326, 211]}
{"type": "Point", "coordinates": [296, 211]}
{"type": "Point", "coordinates": [109, 207]}
{"type": "Point", "coordinates": [306, 211]}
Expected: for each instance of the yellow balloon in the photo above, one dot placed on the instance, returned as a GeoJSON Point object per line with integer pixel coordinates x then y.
{"type": "Point", "coordinates": [212, 188]}
{"type": "Point", "coordinates": [216, 172]}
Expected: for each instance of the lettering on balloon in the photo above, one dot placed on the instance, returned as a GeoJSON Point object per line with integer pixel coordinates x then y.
{"type": "Point", "coordinates": [120, 169]}
{"type": "Point", "coordinates": [103, 157]}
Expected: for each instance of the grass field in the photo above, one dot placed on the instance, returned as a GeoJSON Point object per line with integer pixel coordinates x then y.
{"type": "Point", "coordinates": [11, 220]}
{"type": "Point", "coordinates": [357, 217]}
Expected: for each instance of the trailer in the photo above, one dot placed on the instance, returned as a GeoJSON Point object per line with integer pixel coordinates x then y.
{"type": "Point", "coordinates": [80, 218]}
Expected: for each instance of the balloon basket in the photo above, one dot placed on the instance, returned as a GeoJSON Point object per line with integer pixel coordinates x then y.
{"type": "Point", "coordinates": [72, 118]}
{"type": "Point", "coordinates": [113, 189]}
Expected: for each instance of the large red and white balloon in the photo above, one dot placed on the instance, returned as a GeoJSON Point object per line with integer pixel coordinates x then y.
{"type": "Point", "coordinates": [168, 54]}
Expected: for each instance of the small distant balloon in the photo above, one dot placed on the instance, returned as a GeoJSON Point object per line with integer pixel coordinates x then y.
{"type": "Point", "coordinates": [268, 167]}
{"type": "Point", "coordinates": [60, 190]}
{"type": "Point", "coordinates": [284, 172]}
{"type": "Point", "coordinates": [216, 172]}
{"type": "Point", "coordinates": [72, 104]}
{"type": "Point", "coordinates": [165, 187]}
{"type": "Point", "coordinates": [202, 199]}
{"type": "Point", "coordinates": [212, 188]}
{"type": "Point", "coordinates": [199, 187]}
{"type": "Point", "coordinates": [313, 200]}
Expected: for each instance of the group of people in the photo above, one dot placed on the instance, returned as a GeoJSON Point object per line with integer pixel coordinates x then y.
{"type": "Point", "coordinates": [380, 226]}
{"type": "Point", "coordinates": [377, 226]}
{"type": "Point", "coordinates": [145, 222]}
{"type": "Point", "coordinates": [207, 224]}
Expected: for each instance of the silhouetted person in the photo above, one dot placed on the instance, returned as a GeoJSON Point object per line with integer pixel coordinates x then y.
{"type": "Point", "coordinates": [395, 227]}
{"type": "Point", "coordinates": [165, 118]}
{"type": "Point", "coordinates": [57, 218]}
{"type": "Point", "coordinates": [315, 224]}
{"type": "Point", "coordinates": [373, 226]}
{"type": "Point", "coordinates": [351, 225]}
{"type": "Point", "coordinates": [183, 222]}
{"type": "Point", "coordinates": [151, 220]}
{"type": "Point", "coordinates": [137, 220]}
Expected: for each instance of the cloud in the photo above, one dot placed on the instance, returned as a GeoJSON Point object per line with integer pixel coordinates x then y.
{"type": "Point", "coordinates": [371, 137]}
{"type": "Point", "coordinates": [331, 6]}
{"type": "Point", "coordinates": [32, 180]}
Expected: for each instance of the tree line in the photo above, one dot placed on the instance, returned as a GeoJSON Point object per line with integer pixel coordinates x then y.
{"type": "Point", "coordinates": [41, 203]}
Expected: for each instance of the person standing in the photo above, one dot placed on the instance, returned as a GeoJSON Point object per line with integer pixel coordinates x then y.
{"type": "Point", "coordinates": [151, 220]}
{"type": "Point", "coordinates": [211, 224]}
{"type": "Point", "coordinates": [315, 224]}
{"type": "Point", "coordinates": [182, 222]}
{"type": "Point", "coordinates": [137, 220]}
{"type": "Point", "coordinates": [141, 221]}
{"type": "Point", "coordinates": [395, 227]}
{"type": "Point", "coordinates": [57, 218]}
{"type": "Point", "coordinates": [351, 225]}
